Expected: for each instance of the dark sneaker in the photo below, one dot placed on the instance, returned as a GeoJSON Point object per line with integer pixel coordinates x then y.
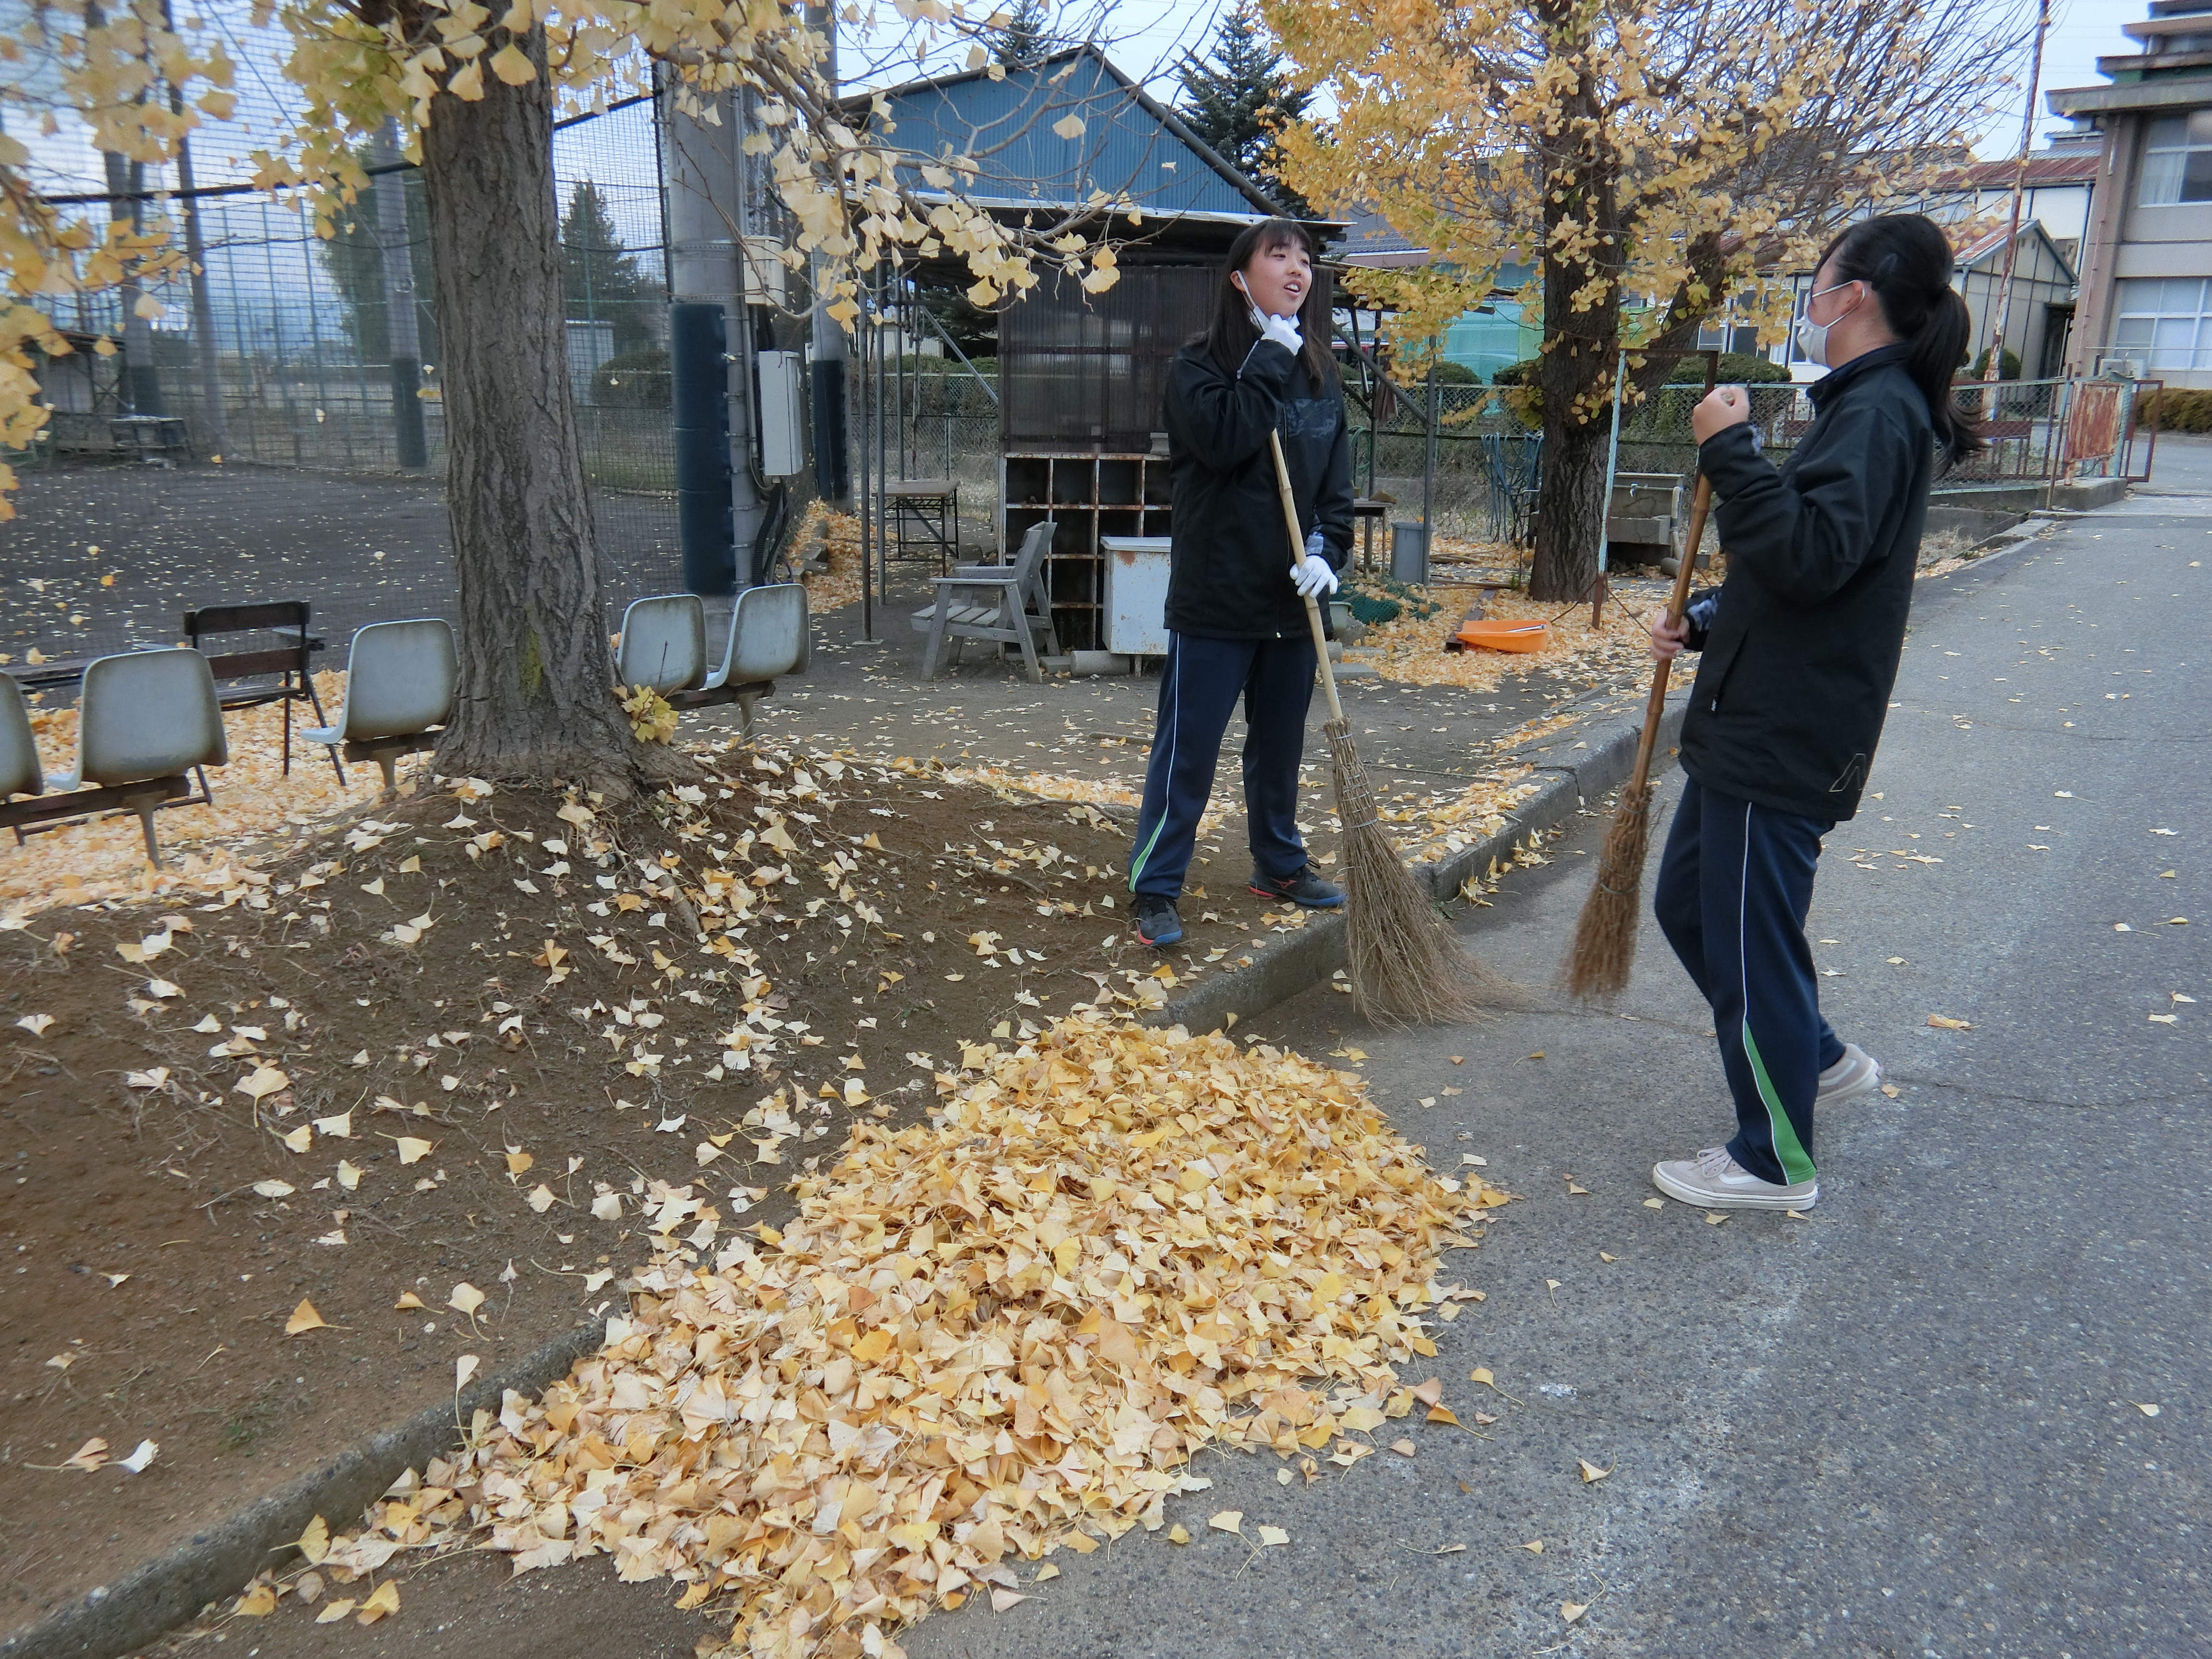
{"type": "Point", "coordinates": [1304, 888]}
{"type": "Point", "coordinates": [1158, 924]}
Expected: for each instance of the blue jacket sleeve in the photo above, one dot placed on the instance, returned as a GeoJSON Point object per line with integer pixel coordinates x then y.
{"type": "Point", "coordinates": [1804, 537]}
{"type": "Point", "coordinates": [1223, 420]}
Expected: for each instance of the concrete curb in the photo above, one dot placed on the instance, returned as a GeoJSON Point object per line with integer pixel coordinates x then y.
{"type": "Point", "coordinates": [162, 1594]}
{"type": "Point", "coordinates": [1317, 950]}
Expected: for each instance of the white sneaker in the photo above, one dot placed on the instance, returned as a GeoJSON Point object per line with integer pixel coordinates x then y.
{"type": "Point", "coordinates": [1717, 1180]}
{"type": "Point", "coordinates": [1856, 1073]}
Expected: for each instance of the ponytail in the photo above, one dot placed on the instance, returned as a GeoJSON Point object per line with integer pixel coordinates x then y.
{"type": "Point", "coordinates": [1905, 259]}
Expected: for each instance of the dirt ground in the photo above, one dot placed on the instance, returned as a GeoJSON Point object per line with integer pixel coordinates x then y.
{"type": "Point", "coordinates": [440, 1060]}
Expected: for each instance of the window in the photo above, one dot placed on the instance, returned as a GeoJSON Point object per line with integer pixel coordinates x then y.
{"type": "Point", "coordinates": [2165, 320]}
{"type": "Point", "coordinates": [2178, 160]}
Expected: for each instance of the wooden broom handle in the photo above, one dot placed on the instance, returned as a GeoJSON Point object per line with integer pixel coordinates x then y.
{"type": "Point", "coordinates": [1699, 506]}
{"type": "Point", "coordinates": [1298, 553]}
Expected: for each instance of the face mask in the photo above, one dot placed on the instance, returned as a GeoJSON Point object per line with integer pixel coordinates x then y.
{"type": "Point", "coordinates": [1812, 336]}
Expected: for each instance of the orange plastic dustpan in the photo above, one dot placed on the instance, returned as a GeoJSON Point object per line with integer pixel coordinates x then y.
{"type": "Point", "coordinates": [1505, 636]}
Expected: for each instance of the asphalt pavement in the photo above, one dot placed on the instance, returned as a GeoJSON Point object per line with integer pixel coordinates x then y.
{"type": "Point", "coordinates": [1917, 1422]}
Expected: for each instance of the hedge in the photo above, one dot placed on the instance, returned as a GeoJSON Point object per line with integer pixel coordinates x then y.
{"type": "Point", "coordinates": [2177, 409]}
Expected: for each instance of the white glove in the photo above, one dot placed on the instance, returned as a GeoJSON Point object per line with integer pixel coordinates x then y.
{"type": "Point", "coordinates": [1314, 577]}
{"type": "Point", "coordinates": [1283, 330]}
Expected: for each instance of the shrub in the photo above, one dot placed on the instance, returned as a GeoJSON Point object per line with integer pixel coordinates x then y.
{"type": "Point", "coordinates": [2009, 371]}
{"type": "Point", "coordinates": [1736, 368]}
{"type": "Point", "coordinates": [2177, 409]}
{"type": "Point", "coordinates": [636, 380]}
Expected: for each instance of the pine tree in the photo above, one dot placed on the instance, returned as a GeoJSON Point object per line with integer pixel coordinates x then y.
{"type": "Point", "coordinates": [1239, 96]}
{"type": "Point", "coordinates": [353, 261]}
{"type": "Point", "coordinates": [599, 278]}
{"type": "Point", "coordinates": [1026, 42]}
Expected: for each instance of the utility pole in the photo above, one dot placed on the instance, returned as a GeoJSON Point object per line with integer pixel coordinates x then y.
{"type": "Point", "coordinates": [719, 499]}
{"type": "Point", "coordinates": [833, 468]}
{"type": "Point", "coordinates": [402, 338]}
{"type": "Point", "coordinates": [1995, 369]}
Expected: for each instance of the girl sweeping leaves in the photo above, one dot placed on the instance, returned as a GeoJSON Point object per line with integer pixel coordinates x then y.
{"type": "Point", "coordinates": [1800, 650]}
{"type": "Point", "coordinates": [1236, 611]}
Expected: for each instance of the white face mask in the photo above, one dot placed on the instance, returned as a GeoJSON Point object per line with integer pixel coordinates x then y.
{"type": "Point", "coordinates": [1812, 336]}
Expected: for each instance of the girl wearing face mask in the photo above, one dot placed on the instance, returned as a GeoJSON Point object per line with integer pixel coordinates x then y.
{"type": "Point", "coordinates": [1236, 609]}
{"type": "Point", "coordinates": [1800, 649]}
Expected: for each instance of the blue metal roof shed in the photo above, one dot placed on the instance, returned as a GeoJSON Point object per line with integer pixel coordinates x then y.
{"type": "Point", "coordinates": [1018, 130]}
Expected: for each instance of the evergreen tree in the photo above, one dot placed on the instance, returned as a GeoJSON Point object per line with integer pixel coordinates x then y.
{"type": "Point", "coordinates": [599, 278]}
{"type": "Point", "coordinates": [1238, 95]}
{"type": "Point", "coordinates": [355, 262]}
{"type": "Point", "coordinates": [1026, 42]}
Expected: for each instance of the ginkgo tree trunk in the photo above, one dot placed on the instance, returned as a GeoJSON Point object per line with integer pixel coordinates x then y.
{"type": "Point", "coordinates": [536, 667]}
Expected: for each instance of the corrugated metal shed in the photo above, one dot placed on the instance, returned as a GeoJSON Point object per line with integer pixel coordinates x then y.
{"type": "Point", "coordinates": [1060, 134]}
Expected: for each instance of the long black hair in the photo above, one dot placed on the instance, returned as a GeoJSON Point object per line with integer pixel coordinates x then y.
{"type": "Point", "coordinates": [1230, 338]}
{"type": "Point", "coordinates": [1905, 259]}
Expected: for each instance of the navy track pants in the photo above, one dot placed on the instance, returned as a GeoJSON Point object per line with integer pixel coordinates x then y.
{"type": "Point", "coordinates": [1198, 690]}
{"type": "Point", "coordinates": [1734, 883]}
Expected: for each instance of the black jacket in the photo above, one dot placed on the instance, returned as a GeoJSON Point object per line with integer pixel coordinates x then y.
{"type": "Point", "coordinates": [1230, 575]}
{"type": "Point", "coordinates": [1802, 650]}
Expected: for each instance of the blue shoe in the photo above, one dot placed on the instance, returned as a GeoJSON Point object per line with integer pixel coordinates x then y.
{"type": "Point", "coordinates": [1158, 924]}
{"type": "Point", "coordinates": [1304, 888]}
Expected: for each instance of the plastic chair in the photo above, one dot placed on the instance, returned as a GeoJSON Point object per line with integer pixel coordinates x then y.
{"type": "Point", "coordinates": [20, 774]}
{"type": "Point", "coordinates": [400, 681]}
{"type": "Point", "coordinates": [771, 635]}
{"type": "Point", "coordinates": [146, 720]}
{"type": "Point", "coordinates": [664, 643]}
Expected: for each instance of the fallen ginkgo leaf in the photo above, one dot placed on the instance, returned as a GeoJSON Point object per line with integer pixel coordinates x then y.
{"type": "Point", "coordinates": [315, 1543]}
{"type": "Point", "coordinates": [1227, 1521]}
{"type": "Point", "coordinates": [465, 1299]}
{"type": "Point", "coordinates": [304, 1318]}
{"type": "Point", "coordinates": [1003, 1598]}
{"type": "Point", "coordinates": [263, 1082]}
{"type": "Point", "coordinates": [1590, 1472]}
{"type": "Point", "coordinates": [88, 1456]}
{"type": "Point", "coordinates": [334, 1611]}
{"type": "Point", "coordinates": [256, 1603]}
{"type": "Point", "coordinates": [1534, 1547]}
{"type": "Point", "coordinates": [1571, 1611]}
{"type": "Point", "coordinates": [140, 1457]}
{"type": "Point", "coordinates": [1944, 1022]}
{"type": "Point", "coordinates": [383, 1601]}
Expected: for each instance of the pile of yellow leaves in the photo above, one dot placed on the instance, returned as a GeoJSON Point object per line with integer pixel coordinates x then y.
{"type": "Point", "coordinates": [839, 535]}
{"type": "Point", "coordinates": [986, 1336]}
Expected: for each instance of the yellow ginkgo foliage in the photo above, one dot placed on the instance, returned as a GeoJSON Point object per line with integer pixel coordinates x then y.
{"type": "Point", "coordinates": [1650, 162]}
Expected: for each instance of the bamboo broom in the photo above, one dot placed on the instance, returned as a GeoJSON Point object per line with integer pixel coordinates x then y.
{"type": "Point", "coordinates": [1605, 935]}
{"type": "Point", "coordinates": [1405, 968]}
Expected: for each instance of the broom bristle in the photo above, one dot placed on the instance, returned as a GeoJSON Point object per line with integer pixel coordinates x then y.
{"type": "Point", "coordinates": [1405, 968]}
{"type": "Point", "coordinates": [1604, 948]}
